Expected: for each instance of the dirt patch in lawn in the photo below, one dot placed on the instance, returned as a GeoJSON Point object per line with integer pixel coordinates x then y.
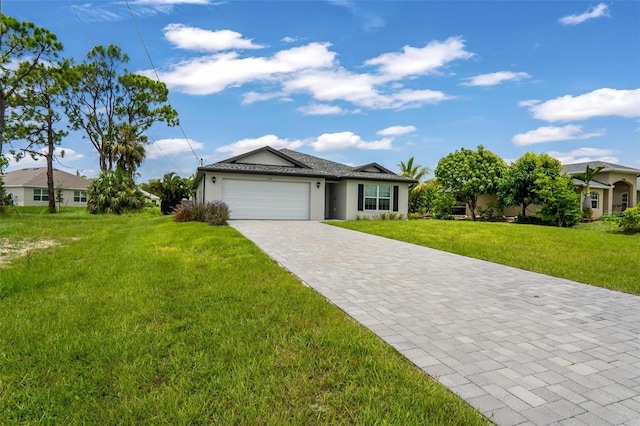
{"type": "Point", "coordinates": [10, 250]}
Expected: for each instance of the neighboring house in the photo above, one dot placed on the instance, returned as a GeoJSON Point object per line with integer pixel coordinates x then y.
{"type": "Point", "coordinates": [154, 199]}
{"type": "Point", "coordinates": [28, 187]}
{"type": "Point", "coordinates": [283, 184]}
{"type": "Point", "coordinates": [613, 190]}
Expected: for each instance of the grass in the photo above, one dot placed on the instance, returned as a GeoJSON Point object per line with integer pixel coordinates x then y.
{"type": "Point", "coordinates": [138, 319]}
{"type": "Point", "coordinates": [595, 254]}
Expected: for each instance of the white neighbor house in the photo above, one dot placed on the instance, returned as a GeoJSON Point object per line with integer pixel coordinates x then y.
{"type": "Point", "coordinates": [28, 187]}
{"type": "Point", "coordinates": [283, 184]}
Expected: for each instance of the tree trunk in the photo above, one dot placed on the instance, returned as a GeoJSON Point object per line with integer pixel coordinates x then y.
{"type": "Point", "coordinates": [472, 202]}
{"type": "Point", "coordinates": [3, 107]}
{"type": "Point", "coordinates": [50, 186]}
{"type": "Point", "coordinates": [524, 210]}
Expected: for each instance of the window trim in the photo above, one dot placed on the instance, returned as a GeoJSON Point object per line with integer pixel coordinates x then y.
{"type": "Point", "coordinates": [623, 203]}
{"type": "Point", "coordinates": [78, 196]}
{"type": "Point", "coordinates": [595, 199]}
{"type": "Point", "coordinates": [40, 194]}
{"type": "Point", "coordinates": [378, 198]}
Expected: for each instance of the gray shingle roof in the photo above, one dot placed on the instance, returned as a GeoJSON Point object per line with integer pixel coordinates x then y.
{"type": "Point", "coordinates": [304, 165]}
{"type": "Point", "coordinates": [36, 177]}
{"type": "Point", "coordinates": [608, 167]}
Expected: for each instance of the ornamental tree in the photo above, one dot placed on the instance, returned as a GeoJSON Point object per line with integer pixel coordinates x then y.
{"type": "Point", "coordinates": [561, 203]}
{"type": "Point", "coordinates": [470, 174]}
{"type": "Point", "coordinates": [517, 186]}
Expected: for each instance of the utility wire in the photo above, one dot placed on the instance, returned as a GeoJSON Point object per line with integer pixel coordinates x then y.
{"type": "Point", "coordinates": [155, 71]}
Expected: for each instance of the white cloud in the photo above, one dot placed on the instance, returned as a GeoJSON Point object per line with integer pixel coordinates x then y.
{"type": "Point", "coordinates": [289, 39]}
{"type": "Point", "coordinates": [417, 61]}
{"type": "Point", "coordinates": [529, 103]}
{"type": "Point", "coordinates": [553, 133]}
{"type": "Point", "coordinates": [593, 12]}
{"type": "Point", "coordinates": [90, 12]}
{"type": "Point", "coordinates": [495, 78]}
{"type": "Point", "coordinates": [599, 103]}
{"type": "Point", "coordinates": [191, 38]}
{"type": "Point", "coordinates": [245, 145]}
{"type": "Point", "coordinates": [347, 140]}
{"type": "Point", "coordinates": [251, 97]}
{"type": "Point", "coordinates": [167, 147]}
{"type": "Point", "coordinates": [396, 130]}
{"type": "Point", "coordinates": [310, 70]}
{"type": "Point", "coordinates": [212, 74]}
{"type": "Point", "coordinates": [320, 109]}
{"type": "Point", "coordinates": [359, 89]}
{"type": "Point", "coordinates": [584, 155]}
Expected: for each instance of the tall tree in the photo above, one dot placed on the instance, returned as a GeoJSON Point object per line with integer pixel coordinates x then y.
{"type": "Point", "coordinates": [470, 174]}
{"type": "Point", "coordinates": [37, 119]}
{"type": "Point", "coordinates": [111, 105]}
{"type": "Point", "coordinates": [517, 185]}
{"type": "Point", "coordinates": [587, 177]}
{"type": "Point", "coordinates": [22, 46]}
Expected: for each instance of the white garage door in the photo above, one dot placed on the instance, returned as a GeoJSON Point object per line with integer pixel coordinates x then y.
{"type": "Point", "coordinates": [251, 199]}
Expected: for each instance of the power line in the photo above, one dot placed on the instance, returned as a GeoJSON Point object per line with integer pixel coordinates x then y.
{"type": "Point", "coordinates": [155, 71]}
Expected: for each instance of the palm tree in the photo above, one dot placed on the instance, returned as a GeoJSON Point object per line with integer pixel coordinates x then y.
{"type": "Point", "coordinates": [418, 173]}
{"type": "Point", "coordinates": [128, 150]}
{"type": "Point", "coordinates": [587, 177]}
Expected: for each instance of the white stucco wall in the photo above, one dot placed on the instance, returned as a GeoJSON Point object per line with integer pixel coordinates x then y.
{"type": "Point", "coordinates": [25, 197]}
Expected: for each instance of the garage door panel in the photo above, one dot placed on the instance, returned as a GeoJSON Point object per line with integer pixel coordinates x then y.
{"type": "Point", "coordinates": [250, 199]}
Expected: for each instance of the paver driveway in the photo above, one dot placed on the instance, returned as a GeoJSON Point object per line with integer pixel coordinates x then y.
{"type": "Point", "coordinates": [521, 347]}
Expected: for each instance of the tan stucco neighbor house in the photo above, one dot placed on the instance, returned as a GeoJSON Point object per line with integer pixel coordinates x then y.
{"type": "Point", "coordinates": [283, 184]}
{"type": "Point", "coordinates": [613, 190]}
{"type": "Point", "coordinates": [28, 187]}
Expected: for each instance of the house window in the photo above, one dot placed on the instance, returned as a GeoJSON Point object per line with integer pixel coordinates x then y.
{"type": "Point", "coordinates": [79, 196]}
{"type": "Point", "coordinates": [625, 200]}
{"type": "Point", "coordinates": [40, 195]}
{"type": "Point", "coordinates": [594, 200]}
{"type": "Point", "coordinates": [377, 197]}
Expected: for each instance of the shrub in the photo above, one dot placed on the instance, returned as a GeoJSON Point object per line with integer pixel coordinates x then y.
{"type": "Point", "coordinates": [630, 221]}
{"type": "Point", "coordinates": [183, 213]}
{"type": "Point", "coordinates": [611, 218]}
{"type": "Point", "coordinates": [114, 191]}
{"type": "Point", "coordinates": [442, 205]}
{"type": "Point", "coordinates": [561, 202]}
{"type": "Point", "coordinates": [215, 213]}
{"type": "Point", "coordinates": [401, 216]}
{"type": "Point", "coordinates": [587, 213]}
{"type": "Point", "coordinates": [414, 216]}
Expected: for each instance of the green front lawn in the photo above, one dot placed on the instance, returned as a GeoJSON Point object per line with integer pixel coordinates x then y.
{"type": "Point", "coordinates": [141, 320]}
{"type": "Point", "coordinates": [594, 254]}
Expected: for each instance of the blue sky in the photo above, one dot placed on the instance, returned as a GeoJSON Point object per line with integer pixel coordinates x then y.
{"type": "Point", "coordinates": [362, 82]}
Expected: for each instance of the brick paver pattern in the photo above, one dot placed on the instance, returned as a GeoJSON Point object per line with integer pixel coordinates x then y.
{"type": "Point", "coordinates": [521, 347]}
